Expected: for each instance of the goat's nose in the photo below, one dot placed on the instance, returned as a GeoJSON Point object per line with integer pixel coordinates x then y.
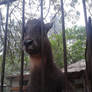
{"type": "Point", "coordinates": [28, 42]}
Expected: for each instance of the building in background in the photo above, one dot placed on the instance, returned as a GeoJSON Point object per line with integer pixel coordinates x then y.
{"type": "Point", "coordinates": [14, 82]}
{"type": "Point", "coordinates": [76, 74]}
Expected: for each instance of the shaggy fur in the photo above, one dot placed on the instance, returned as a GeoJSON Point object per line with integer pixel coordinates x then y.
{"type": "Point", "coordinates": [54, 79]}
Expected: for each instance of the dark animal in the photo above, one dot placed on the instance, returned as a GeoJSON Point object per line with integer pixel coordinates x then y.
{"type": "Point", "coordinates": [54, 80]}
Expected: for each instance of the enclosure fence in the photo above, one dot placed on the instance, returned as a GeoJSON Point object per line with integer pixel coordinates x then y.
{"type": "Point", "coordinates": [7, 3]}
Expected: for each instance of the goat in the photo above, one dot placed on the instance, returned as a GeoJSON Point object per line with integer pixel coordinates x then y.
{"type": "Point", "coordinates": [54, 79]}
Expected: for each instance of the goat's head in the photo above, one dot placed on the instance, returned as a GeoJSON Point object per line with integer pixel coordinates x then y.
{"type": "Point", "coordinates": [32, 36]}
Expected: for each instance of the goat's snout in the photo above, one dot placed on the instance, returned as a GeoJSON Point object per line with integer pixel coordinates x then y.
{"type": "Point", "coordinates": [28, 42]}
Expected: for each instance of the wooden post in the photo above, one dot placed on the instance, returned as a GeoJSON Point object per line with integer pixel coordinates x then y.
{"type": "Point", "coordinates": [22, 52]}
{"type": "Point", "coordinates": [64, 45]}
{"type": "Point", "coordinates": [89, 52]}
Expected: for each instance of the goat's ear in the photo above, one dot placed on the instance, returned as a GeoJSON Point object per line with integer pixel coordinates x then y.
{"type": "Point", "coordinates": [48, 26]}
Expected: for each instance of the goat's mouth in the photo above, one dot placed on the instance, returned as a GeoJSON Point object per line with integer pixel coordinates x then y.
{"type": "Point", "coordinates": [32, 50]}
{"type": "Point", "coordinates": [31, 47]}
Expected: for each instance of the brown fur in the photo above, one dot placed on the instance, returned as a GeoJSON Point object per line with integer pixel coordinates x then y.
{"type": "Point", "coordinates": [54, 79]}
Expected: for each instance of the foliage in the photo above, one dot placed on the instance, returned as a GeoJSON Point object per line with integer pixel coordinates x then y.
{"type": "Point", "coordinates": [56, 42]}
{"type": "Point", "coordinates": [75, 39]}
{"type": "Point", "coordinates": [89, 7]}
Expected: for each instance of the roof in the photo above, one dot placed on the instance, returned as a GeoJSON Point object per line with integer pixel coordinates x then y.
{"type": "Point", "coordinates": [17, 76]}
{"type": "Point", "coordinates": [76, 67]}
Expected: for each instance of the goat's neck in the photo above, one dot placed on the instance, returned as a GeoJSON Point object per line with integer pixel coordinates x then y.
{"type": "Point", "coordinates": [36, 62]}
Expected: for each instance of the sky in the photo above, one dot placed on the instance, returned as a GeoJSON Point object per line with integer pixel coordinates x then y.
{"type": "Point", "coordinates": [81, 20]}
{"type": "Point", "coordinates": [79, 7]}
